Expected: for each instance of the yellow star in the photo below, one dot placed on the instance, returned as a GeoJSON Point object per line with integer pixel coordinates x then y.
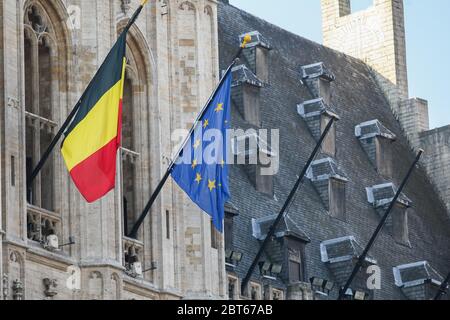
{"type": "Point", "coordinates": [194, 163]}
{"type": "Point", "coordinates": [211, 185]}
{"type": "Point", "coordinates": [205, 123]}
{"type": "Point", "coordinates": [219, 107]}
{"type": "Point", "coordinates": [197, 144]}
{"type": "Point", "coordinates": [198, 178]}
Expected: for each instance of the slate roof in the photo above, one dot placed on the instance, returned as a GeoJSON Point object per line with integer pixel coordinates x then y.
{"type": "Point", "coordinates": [357, 99]}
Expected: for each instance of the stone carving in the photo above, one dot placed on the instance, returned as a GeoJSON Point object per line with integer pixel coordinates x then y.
{"type": "Point", "coordinates": [125, 6]}
{"type": "Point", "coordinates": [13, 102]}
{"type": "Point", "coordinates": [17, 288]}
{"type": "Point", "coordinates": [187, 6]}
{"type": "Point", "coordinates": [50, 287]}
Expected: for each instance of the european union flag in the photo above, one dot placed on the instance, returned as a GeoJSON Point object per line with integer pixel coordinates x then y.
{"type": "Point", "coordinates": [201, 169]}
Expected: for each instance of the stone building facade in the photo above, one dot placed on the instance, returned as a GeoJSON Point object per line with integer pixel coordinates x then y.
{"type": "Point", "coordinates": [49, 51]}
{"type": "Point", "coordinates": [56, 246]}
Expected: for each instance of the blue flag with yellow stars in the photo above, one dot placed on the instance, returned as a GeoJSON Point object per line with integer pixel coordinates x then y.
{"type": "Point", "coordinates": [201, 169]}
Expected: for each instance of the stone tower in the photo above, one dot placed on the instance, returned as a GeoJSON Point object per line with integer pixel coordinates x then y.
{"type": "Point", "coordinates": [375, 35]}
{"type": "Point", "coordinates": [53, 50]}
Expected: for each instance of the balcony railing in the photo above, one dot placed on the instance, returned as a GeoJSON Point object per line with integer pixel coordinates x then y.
{"type": "Point", "coordinates": [41, 224]}
{"type": "Point", "coordinates": [133, 256]}
{"type": "Point", "coordinates": [49, 125]}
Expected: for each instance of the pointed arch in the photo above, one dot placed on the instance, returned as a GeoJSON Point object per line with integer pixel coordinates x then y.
{"type": "Point", "coordinates": [116, 286]}
{"type": "Point", "coordinates": [47, 60]}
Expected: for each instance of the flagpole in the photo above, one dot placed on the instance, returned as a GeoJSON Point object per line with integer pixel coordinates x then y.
{"type": "Point", "coordinates": [443, 288]}
{"type": "Point", "coordinates": [363, 256]}
{"type": "Point", "coordinates": [146, 211]}
{"type": "Point", "coordinates": [72, 114]}
{"type": "Point", "coordinates": [285, 206]}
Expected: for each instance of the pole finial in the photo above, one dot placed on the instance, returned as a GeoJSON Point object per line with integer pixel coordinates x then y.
{"type": "Point", "coordinates": [144, 2]}
{"type": "Point", "coordinates": [247, 39]}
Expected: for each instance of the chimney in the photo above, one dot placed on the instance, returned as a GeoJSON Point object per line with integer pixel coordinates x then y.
{"type": "Point", "coordinates": [256, 54]}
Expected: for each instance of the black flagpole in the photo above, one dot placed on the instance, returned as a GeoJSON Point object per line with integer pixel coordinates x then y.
{"type": "Point", "coordinates": [363, 256]}
{"type": "Point", "coordinates": [146, 211]}
{"type": "Point", "coordinates": [72, 114]}
{"type": "Point", "coordinates": [443, 288]}
{"type": "Point", "coordinates": [285, 206]}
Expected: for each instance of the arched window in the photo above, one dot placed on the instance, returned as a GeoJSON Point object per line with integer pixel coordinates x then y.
{"type": "Point", "coordinates": [45, 79]}
{"type": "Point", "coordinates": [40, 62]}
{"type": "Point", "coordinates": [134, 127]}
{"type": "Point", "coordinates": [130, 151]}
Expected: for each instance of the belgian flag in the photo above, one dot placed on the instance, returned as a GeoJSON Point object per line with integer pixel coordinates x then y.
{"type": "Point", "coordinates": [93, 137]}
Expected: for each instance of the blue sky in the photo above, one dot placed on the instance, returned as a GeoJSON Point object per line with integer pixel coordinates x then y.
{"type": "Point", "coordinates": [427, 40]}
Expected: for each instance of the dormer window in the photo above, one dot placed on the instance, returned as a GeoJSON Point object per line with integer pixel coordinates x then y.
{"type": "Point", "coordinates": [257, 54]}
{"type": "Point", "coordinates": [330, 182]}
{"type": "Point", "coordinates": [318, 80]}
{"type": "Point", "coordinates": [380, 197]}
{"type": "Point", "coordinates": [341, 249]}
{"type": "Point", "coordinates": [250, 144]}
{"type": "Point", "coordinates": [286, 228]}
{"type": "Point", "coordinates": [418, 281]}
{"type": "Point", "coordinates": [340, 256]}
{"type": "Point", "coordinates": [286, 250]}
{"type": "Point", "coordinates": [257, 157]}
{"type": "Point", "coordinates": [317, 115]}
{"type": "Point", "coordinates": [246, 94]}
{"type": "Point", "coordinates": [376, 141]}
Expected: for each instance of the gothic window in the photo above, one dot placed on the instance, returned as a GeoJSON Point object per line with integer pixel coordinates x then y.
{"type": "Point", "coordinates": [133, 111]}
{"type": "Point", "coordinates": [130, 154]}
{"type": "Point", "coordinates": [40, 65]}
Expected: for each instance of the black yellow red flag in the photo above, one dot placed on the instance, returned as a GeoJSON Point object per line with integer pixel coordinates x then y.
{"type": "Point", "coordinates": [93, 138]}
